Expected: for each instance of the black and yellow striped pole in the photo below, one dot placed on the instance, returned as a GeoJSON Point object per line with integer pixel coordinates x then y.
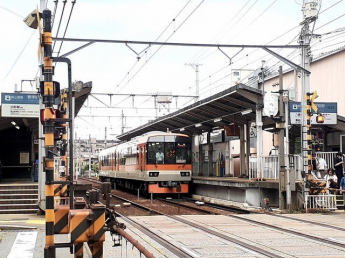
{"type": "Point", "coordinates": [309, 97]}
{"type": "Point", "coordinates": [49, 128]}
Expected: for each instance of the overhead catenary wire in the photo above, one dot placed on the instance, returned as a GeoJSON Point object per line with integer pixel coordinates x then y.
{"type": "Point", "coordinates": [198, 60]}
{"type": "Point", "coordinates": [274, 40]}
{"type": "Point", "coordinates": [333, 5]}
{"type": "Point", "coordinates": [162, 45]}
{"type": "Point", "coordinates": [203, 50]}
{"type": "Point", "coordinates": [155, 41]}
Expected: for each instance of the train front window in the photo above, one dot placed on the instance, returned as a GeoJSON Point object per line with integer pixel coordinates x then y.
{"type": "Point", "coordinates": [155, 153]}
{"type": "Point", "coordinates": [183, 153]}
{"type": "Point", "coordinates": [168, 153]}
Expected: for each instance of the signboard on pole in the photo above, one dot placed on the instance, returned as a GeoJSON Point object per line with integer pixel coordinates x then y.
{"type": "Point", "coordinates": [328, 109]}
{"type": "Point", "coordinates": [19, 105]}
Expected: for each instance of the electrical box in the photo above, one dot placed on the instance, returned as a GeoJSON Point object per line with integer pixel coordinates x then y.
{"type": "Point", "coordinates": [310, 9]}
{"type": "Point", "coordinates": [271, 104]}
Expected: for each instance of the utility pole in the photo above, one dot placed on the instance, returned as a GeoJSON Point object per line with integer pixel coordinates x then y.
{"type": "Point", "coordinates": [123, 122]}
{"type": "Point", "coordinates": [281, 126]}
{"type": "Point", "coordinates": [309, 15]}
{"type": "Point", "coordinates": [259, 124]}
{"type": "Point", "coordinates": [89, 155]}
{"type": "Point", "coordinates": [196, 68]}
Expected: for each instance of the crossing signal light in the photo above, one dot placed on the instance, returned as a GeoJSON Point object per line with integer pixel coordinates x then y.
{"type": "Point", "coordinates": [320, 119]}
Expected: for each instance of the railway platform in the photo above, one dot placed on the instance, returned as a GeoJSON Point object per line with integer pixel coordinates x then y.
{"type": "Point", "coordinates": [251, 235]}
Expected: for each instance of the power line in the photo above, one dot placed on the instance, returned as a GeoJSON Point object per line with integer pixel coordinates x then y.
{"type": "Point", "coordinates": [21, 52]}
{"type": "Point", "coordinates": [155, 41]}
{"type": "Point", "coordinates": [271, 41]}
{"type": "Point", "coordinates": [203, 50]}
{"type": "Point", "coordinates": [198, 60]}
{"type": "Point", "coordinates": [162, 45]}
{"type": "Point", "coordinates": [10, 11]}
{"type": "Point", "coordinates": [330, 21]}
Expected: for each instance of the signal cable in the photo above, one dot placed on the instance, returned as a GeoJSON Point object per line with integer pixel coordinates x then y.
{"type": "Point", "coordinates": [54, 13]}
{"type": "Point", "coordinates": [69, 18]}
{"type": "Point", "coordinates": [58, 29]}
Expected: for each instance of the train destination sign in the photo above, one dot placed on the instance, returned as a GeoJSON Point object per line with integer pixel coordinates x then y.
{"type": "Point", "coordinates": [19, 105]}
{"type": "Point", "coordinates": [327, 109]}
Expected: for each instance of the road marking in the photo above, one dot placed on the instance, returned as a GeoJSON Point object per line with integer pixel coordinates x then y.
{"type": "Point", "coordinates": [24, 245]}
{"type": "Point", "coordinates": [190, 252]}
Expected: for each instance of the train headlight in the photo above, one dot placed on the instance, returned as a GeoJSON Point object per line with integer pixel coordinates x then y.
{"type": "Point", "coordinates": [185, 173]}
{"type": "Point", "coordinates": [153, 174]}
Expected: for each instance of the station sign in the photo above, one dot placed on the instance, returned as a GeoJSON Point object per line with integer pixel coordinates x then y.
{"type": "Point", "coordinates": [20, 105]}
{"type": "Point", "coordinates": [328, 109]}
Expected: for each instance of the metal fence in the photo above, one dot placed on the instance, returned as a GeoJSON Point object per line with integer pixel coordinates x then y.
{"type": "Point", "coordinates": [270, 165]}
{"type": "Point", "coordinates": [324, 202]}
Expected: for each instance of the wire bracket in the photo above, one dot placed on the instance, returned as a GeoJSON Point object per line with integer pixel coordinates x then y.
{"type": "Point", "coordinates": [138, 54]}
{"type": "Point", "coordinates": [230, 58]}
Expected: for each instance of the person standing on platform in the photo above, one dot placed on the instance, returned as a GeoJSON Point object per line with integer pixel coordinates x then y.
{"type": "Point", "coordinates": [331, 181]}
{"type": "Point", "coordinates": [338, 165]}
{"type": "Point", "coordinates": [322, 165]}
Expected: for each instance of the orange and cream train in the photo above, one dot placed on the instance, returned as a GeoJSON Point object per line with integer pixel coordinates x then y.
{"type": "Point", "coordinates": [156, 162]}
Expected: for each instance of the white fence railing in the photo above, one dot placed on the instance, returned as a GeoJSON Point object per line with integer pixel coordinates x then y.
{"type": "Point", "coordinates": [328, 157]}
{"type": "Point", "coordinates": [270, 165]}
{"type": "Point", "coordinates": [325, 202]}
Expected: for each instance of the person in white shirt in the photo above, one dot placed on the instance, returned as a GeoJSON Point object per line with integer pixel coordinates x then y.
{"type": "Point", "coordinates": [322, 165]}
{"type": "Point", "coordinates": [159, 157]}
{"type": "Point", "coordinates": [331, 181]}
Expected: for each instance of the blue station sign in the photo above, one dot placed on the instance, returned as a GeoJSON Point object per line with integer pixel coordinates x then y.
{"type": "Point", "coordinates": [328, 109]}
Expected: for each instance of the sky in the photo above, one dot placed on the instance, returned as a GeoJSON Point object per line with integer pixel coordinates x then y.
{"type": "Point", "coordinates": [114, 68]}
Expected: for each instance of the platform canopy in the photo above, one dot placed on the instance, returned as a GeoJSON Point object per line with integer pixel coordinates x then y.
{"type": "Point", "coordinates": [32, 123]}
{"type": "Point", "coordinates": [235, 105]}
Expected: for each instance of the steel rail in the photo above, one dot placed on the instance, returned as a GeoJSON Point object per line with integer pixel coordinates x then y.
{"type": "Point", "coordinates": [221, 207]}
{"type": "Point", "coordinates": [210, 231]}
{"type": "Point", "coordinates": [226, 237]}
{"type": "Point", "coordinates": [163, 242]}
{"type": "Point", "coordinates": [308, 221]}
{"type": "Point", "coordinates": [319, 239]}
{"type": "Point", "coordinates": [186, 206]}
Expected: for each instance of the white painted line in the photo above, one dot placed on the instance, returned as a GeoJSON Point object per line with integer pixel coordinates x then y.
{"type": "Point", "coordinates": [247, 250]}
{"type": "Point", "coordinates": [24, 245]}
{"type": "Point", "coordinates": [190, 252]}
{"type": "Point", "coordinates": [336, 240]}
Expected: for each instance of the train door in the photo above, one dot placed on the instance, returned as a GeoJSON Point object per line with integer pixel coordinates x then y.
{"type": "Point", "coordinates": [142, 162]}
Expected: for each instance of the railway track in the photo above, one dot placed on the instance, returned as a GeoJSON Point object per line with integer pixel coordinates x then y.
{"type": "Point", "coordinates": [224, 235]}
{"type": "Point", "coordinates": [309, 236]}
